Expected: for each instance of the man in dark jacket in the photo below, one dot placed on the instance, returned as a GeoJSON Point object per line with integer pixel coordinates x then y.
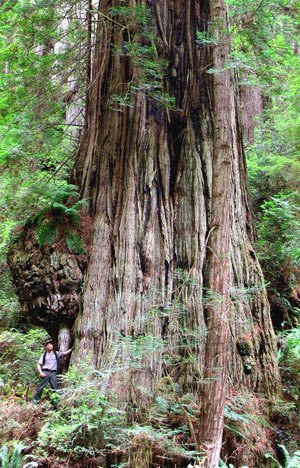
{"type": "Point", "coordinates": [47, 368]}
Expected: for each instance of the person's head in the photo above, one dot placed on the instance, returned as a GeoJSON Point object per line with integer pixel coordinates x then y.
{"type": "Point", "coordinates": [49, 345]}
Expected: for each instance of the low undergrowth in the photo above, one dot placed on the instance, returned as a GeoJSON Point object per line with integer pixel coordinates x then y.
{"type": "Point", "coordinates": [89, 424]}
{"type": "Point", "coordinates": [285, 416]}
{"type": "Point", "coordinates": [88, 427]}
{"type": "Point", "coordinates": [19, 353]}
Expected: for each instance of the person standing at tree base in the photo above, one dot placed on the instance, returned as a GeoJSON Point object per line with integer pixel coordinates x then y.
{"type": "Point", "coordinates": [47, 368]}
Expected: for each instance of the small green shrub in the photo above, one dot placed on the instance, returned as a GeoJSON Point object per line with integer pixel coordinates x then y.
{"type": "Point", "coordinates": [88, 422]}
{"type": "Point", "coordinates": [11, 456]}
{"type": "Point", "coordinates": [279, 231]}
{"type": "Point", "coordinates": [84, 421]}
{"type": "Point", "coordinates": [19, 353]}
{"type": "Point", "coordinates": [289, 360]}
{"type": "Point", "coordinates": [293, 346]}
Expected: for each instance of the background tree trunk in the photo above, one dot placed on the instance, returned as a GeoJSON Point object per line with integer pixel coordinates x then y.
{"type": "Point", "coordinates": [171, 219]}
{"type": "Point", "coordinates": [251, 108]}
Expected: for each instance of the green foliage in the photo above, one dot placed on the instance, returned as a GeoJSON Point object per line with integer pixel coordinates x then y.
{"type": "Point", "coordinates": [45, 232]}
{"type": "Point", "coordinates": [279, 230]}
{"type": "Point", "coordinates": [264, 42]}
{"type": "Point", "coordinates": [205, 39]}
{"type": "Point", "coordinates": [9, 305]}
{"type": "Point", "coordinates": [273, 160]}
{"type": "Point", "coordinates": [84, 421]}
{"type": "Point", "coordinates": [37, 56]}
{"type": "Point", "coordinates": [139, 14]}
{"type": "Point", "coordinates": [291, 461]}
{"type": "Point", "coordinates": [293, 345]}
{"type": "Point", "coordinates": [264, 46]}
{"type": "Point", "coordinates": [148, 70]}
{"type": "Point", "coordinates": [11, 456]}
{"type": "Point", "coordinates": [289, 360]}
{"type": "Point", "coordinates": [19, 353]}
{"type": "Point", "coordinates": [262, 35]}
{"type": "Point", "coordinates": [58, 216]}
{"type": "Point", "coordinates": [88, 422]}
{"type": "Point", "coordinates": [32, 108]}
{"type": "Point", "coordinates": [238, 418]}
{"type": "Point", "coordinates": [74, 243]}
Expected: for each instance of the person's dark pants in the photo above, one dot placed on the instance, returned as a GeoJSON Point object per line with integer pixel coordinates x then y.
{"type": "Point", "coordinates": [51, 378]}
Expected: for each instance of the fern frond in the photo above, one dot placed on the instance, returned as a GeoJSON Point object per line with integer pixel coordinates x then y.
{"type": "Point", "coordinates": [4, 457]}
{"type": "Point", "coordinates": [62, 193]}
{"type": "Point", "coordinates": [83, 202]}
{"type": "Point", "coordinates": [287, 457]}
{"type": "Point", "coordinates": [16, 458]}
{"type": "Point", "coordinates": [74, 243]}
{"type": "Point", "coordinates": [233, 428]}
{"type": "Point", "coordinates": [45, 232]}
{"type": "Point", "coordinates": [59, 206]}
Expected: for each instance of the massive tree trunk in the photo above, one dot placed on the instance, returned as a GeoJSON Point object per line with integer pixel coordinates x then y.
{"type": "Point", "coordinates": [171, 258]}
{"type": "Point", "coordinates": [171, 216]}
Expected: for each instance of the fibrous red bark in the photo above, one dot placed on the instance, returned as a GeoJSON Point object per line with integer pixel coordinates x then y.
{"type": "Point", "coordinates": [168, 192]}
{"type": "Point", "coordinates": [171, 258]}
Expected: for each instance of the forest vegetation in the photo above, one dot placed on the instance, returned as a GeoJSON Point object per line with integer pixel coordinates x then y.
{"type": "Point", "coordinates": [150, 219]}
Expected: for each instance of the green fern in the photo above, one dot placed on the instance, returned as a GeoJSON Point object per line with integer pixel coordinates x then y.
{"type": "Point", "coordinates": [61, 194]}
{"type": "Point", "coordinates": [57, 201]}
{"type": "Point", "coordinates": [45, 232]}
{"type": "Point", "coordinates": [74, 243]}
{"type": "Point", "coordinates": [232, 415]}
{"type": "Point", "coordinates": [70, 212]}
{"type": "Point", "coordinates": [235, 419]}
{"type": "Point", "coordinates": [46, 229]}
{"type": "Point", "coordinates": [16, 457]}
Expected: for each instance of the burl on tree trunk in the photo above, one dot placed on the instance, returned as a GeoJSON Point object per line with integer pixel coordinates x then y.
{"type": "Point", "coordinates": [48, 280]}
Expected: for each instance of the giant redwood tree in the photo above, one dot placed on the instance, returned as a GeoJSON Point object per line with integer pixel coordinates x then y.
{"type": "Point", "coordinates": [171, 258]}
{"type": "Point", "coordinates": [167, 192]}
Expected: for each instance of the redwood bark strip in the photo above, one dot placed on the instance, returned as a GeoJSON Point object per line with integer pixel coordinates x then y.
{"type": "Point", "coordinates": [219, 265]}
{"type": "Point", "coordinates": [88, 58]}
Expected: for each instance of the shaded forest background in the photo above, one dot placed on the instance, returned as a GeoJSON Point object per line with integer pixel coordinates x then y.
{"type": "Point", "coordinates": [45, 50]}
